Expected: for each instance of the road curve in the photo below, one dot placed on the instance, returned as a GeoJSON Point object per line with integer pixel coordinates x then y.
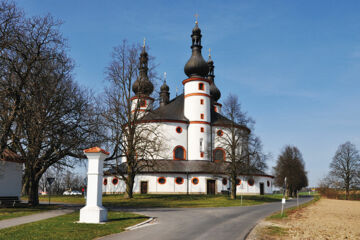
{"type": "Point", "coordinates": [201, 223]}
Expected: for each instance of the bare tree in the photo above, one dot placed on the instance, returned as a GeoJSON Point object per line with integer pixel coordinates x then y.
{"type": "Point", "coordinates": [290, 164]}
{"type": "Point", "coordinates": [130, 139]}
{"type": "Point", "coordinates": [243, 148]}
{"type": "Point", "coordinates": [345, 167]}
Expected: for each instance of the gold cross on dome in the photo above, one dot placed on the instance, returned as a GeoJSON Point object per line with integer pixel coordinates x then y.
{"type": "Point", "coordinates": [196, 18]}
{"type": "Point", "coordinates": [165, 76]}
{"type": "Point", "coordinates": [209, 52]}
{"type": "Point", "coordinates": [144, 43]}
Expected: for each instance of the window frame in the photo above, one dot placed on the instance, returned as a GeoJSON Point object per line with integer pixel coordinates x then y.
{"type": "Point", "coordinates": [115, 179]}
{"type": "Point", "coordinates": [159, 178]}
{"type": "Point", "coordinates": [176, 129]}
{"type": "Point", "coordinates": [179, 146]}
{"type": "Point", "coordinates": [202, 86]}
{"type": "Point", "coordinates": [224, 154]}
{"type": "Point", "coordinates": [182, 180]}
{"type": "Point", "coordinates": [195, 178]}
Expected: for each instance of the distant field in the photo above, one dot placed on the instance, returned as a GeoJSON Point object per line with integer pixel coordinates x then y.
{"type": "Point", "coordinates": [170, 201]}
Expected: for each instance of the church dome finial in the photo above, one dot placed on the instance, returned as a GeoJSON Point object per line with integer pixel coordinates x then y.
{"type": "Point", "coordinates": [142, 85]}
{"type": "Point", "coordinates": [196, 65]}
{"type": "Point", "coordinates": [214, 91]}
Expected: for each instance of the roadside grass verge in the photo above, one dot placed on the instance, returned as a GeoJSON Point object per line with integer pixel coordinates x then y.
{"type": "Point", "coordinates": [23, 210]}
{"type": "Point", "coordinates": [171, 200]}
{"type": "Point", "coordinates": [65, 227]}
{"type": "Point", "coordinates": [275, 231]}
{"type": "Point", "coordinates": [289, 211]}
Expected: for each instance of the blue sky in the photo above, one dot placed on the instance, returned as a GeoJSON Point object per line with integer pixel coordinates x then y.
{"type": "Point", "coordinates": [295, 65]}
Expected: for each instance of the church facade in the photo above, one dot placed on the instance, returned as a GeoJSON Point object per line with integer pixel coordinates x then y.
{"type": "Point", "coordinates": [192, 126]}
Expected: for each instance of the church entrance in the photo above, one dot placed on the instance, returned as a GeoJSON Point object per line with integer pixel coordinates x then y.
{"type": "Point", "coordinates": [143, 187]}
{"type": "Point", "coordinates": [210, 188]}
{"type": "Point", "coordinates": [261, 188]}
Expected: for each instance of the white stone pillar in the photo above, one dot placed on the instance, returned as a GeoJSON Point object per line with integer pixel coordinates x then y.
{"type": "Point", "coordinates": [94, 212]}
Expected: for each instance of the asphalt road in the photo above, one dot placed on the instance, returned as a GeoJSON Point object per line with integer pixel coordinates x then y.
{"type": "Point", "coordinates": [201, 223]}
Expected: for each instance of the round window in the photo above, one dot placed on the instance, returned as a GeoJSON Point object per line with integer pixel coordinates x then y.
{"type": "Point", "coordinates": [195, 180]}
{"type": "Point", "coordinates": [219, 133]}
{"type": "Point", "coordinates": [179, 130]}
{"type": "Point", "coordinates": [115, 181]}
{"type": "Point", "coordinates": [251, 181]}
{"type": "Point", "coordinates": [105, 181]}
{"type": "Point", "coordinates": [224, 181]}
{"type": "Point", "coordinates": [238, 181]}
{"type": "Point", "coordinates": [161, 180]}
{"type": "Point", "coordinates": [179, 180]}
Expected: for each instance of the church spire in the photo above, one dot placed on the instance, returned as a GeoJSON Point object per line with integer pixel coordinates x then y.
{"type": "Point", "coordinates": [214, 91]}
{"type": "Point", "coordinates": [196, 66]}
{"type": "Point", "coordinates": [142, 85]}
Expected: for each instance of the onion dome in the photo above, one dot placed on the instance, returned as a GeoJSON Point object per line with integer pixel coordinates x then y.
{"type": "Point", "coordinates": [142, 85]}
{"type": "Point", "coordinates": [196, 65]}
{"type": "Point", "coordinates": [214, 91]}
{"type": "Point", "coordinates": [164, 87]}
{"type": "Point", "coordinates": [164, 93]}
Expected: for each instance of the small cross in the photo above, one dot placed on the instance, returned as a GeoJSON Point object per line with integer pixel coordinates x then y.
{"type": "Point", "coordinates": [164, 76]}
{"type": "Point", "coordinates": [196, 18]}
{"type": "Point", "coordinates": [209, 52]}
{"type": "Point", "coordinates": [176, 91]}
{"type": "Point", "coordinates": [144, 43]}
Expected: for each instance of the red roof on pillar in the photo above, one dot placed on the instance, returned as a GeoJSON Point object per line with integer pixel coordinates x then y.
{"type": "Point", "coordinates": [96, 150]}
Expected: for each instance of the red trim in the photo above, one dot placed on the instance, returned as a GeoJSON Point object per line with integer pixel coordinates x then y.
{"type": "Point", "coordinates": [199, 122]}
{"type": "Point", "coordinates": [182, 180]}
{"type": "Point", "coordinates": [195, 79]}
{"type": "Point", "coordinates": [196, 94]}
{"type": "Point", "coordinates": [105, 181]}
{"type": "Point", "coordinates": [195, 178]}
{"type": "Point", "coordinates": [201, 86]}
{"type": "Point", "coordinates": [224, 154]}
{"type": "Point", "coordinates": [139, 97]}
{"type": "Point", "coordinates": [219, 133]}
{"type": "Point", "coordinates": [163, 120]}
{"type": "Point", "coordinates": [139, 110]}
{"type": "Point", "coordinates": [96, 150]}
{"type": "Point", "coordinates": [215, 109]}
{"type": "Point", "coordinates": [183, 150]}
{"type": "Point", "coordinates": [218, 104]}
{"type": "Point", "coordinates": [178, 128]}
{"type": "Point", "coordinates": [115, 179]}
{"type": "Point", "coordinates": [238, 182]}
{"type": "Point", "coordinates": [161, 178]}
{"type": "Point", "coordinates": [143, 103]}
{"type": "Point", "coordinates": [202, 154]}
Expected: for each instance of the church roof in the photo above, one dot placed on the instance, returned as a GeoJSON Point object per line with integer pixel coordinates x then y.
{"type": "Point", "coordinates": [186, 166]}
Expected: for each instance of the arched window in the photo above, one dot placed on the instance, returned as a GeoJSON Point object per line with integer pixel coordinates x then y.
{"type": "Point", "coordinates": [238, 181]}
{"type": "Point", "coordinates": [219, 155]}
{"type": "Point", "coordinates": [179, 153]}
{"type": "Point", "coordinates": [224, 181]}
{"type": "Point", "coordinates": [251, 182]}
{"type": "Point", "coordinates": [268, 183]}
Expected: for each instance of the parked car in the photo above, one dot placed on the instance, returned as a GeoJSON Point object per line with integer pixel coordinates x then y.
{"type": "Point", "coordinates": [75, 193]}
{"type": "Point", "coordinates": [67, 192]}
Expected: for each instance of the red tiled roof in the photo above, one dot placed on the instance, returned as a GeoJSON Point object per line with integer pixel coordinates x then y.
{"type": "Point", "coordinates": [10, 156]}
{"type": "Point", "coordinates": [96, 150]}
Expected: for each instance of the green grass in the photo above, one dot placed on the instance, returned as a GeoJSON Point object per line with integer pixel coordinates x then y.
{"type": "Point", "coordinates": [22, 210]}
{"type": "Point", "coordinates": [65, 227]}
{"type": "Point", "coordinates": [288, 211]}
{"type": "Point", "coordinates": [171, 201]}
{"type": "Point", "coordinates": [276, 231]}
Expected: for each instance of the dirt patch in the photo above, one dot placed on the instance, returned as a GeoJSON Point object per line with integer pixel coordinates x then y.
{"type": "Point", "coordinates": [326, 219]}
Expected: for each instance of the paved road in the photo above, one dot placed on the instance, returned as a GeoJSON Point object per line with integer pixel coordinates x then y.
{"type": "Point", "coordinates": [201, 223]}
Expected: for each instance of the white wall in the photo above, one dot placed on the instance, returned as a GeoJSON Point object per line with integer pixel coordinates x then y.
{"type": "Point", "coordinates": [10, 179]}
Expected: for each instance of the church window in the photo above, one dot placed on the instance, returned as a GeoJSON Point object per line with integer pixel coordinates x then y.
{"type": "Point", "coordinates": [142, 103]}
{"type": "Point", "coordinates": [224, 181]}
{"type": "Point", "coordinates": [201, 86]}
{"type": "Point", "coordinates": [179, 153]}
{"type": "Point", "coordinates": [202, 116]}
{"type": "Point", "coordinates": [202, 101]}
{"type": "Point", "coordinates": [115, 181]}
{"type": "Point", "coordinates": [238, 181]}
{"type": "Point", "coordinates": [195, 180]}
{"type": "Point", "coordinates": [201, 129]}
{"type": "Point", "coordinates": [268, 183]}
{"type": "Point", "coordinates": [179, 180]}
{"type": "Point", "coordinates": [219, 155]}
{"type": "Point", "coordinates": [219, 133]}
{"type": "Point", "coordinates": [161, 180]}
{"type": "Point", "coordinates": [105, 181]}
{"type": "Point", "coordinates": [251, 182]}
{"type": "Point", "coordinates": [178, 129]}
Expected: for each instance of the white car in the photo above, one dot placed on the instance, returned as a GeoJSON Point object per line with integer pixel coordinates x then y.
{"type": "Point", "coordinates": [75, 193]}
{"type": "Point", "coordinates": [67, 192]}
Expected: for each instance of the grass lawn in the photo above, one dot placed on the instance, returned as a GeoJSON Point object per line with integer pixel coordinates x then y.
{"type": "Point", "coordinates": [22, 210]}
{"type": "Point", "coordinates": [171, 201]}
{"type": "Point", "coordinates": [65, 227]}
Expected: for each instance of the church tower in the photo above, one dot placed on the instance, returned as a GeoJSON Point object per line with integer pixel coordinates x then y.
{"type": "Point", "coordinates": [142, 87]}
{"type": "Point", "coordinates": [197, 101]}
{"type": "Point", "coordinates": [215, 93]}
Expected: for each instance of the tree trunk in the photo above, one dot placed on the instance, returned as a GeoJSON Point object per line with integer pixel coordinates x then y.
{"type": "Point", "coordinates": [129, 186]}
{"type": "Point", "coordinates": [33, 191]}
{"type": "Point", "coordinates": [347, 192]}
{"type": "Point", "coordinates": [233, 187]}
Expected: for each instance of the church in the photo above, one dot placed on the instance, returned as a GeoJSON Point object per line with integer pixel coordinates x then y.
{"type": "Point", "coordinates": [193, 125]}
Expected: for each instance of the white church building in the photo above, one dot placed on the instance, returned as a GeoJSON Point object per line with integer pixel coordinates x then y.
{"type": "Point", "coordinates": [192, 124]}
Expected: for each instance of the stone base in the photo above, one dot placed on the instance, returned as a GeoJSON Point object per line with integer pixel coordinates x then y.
{"type": "Point", "coordinates": [93, 214]}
